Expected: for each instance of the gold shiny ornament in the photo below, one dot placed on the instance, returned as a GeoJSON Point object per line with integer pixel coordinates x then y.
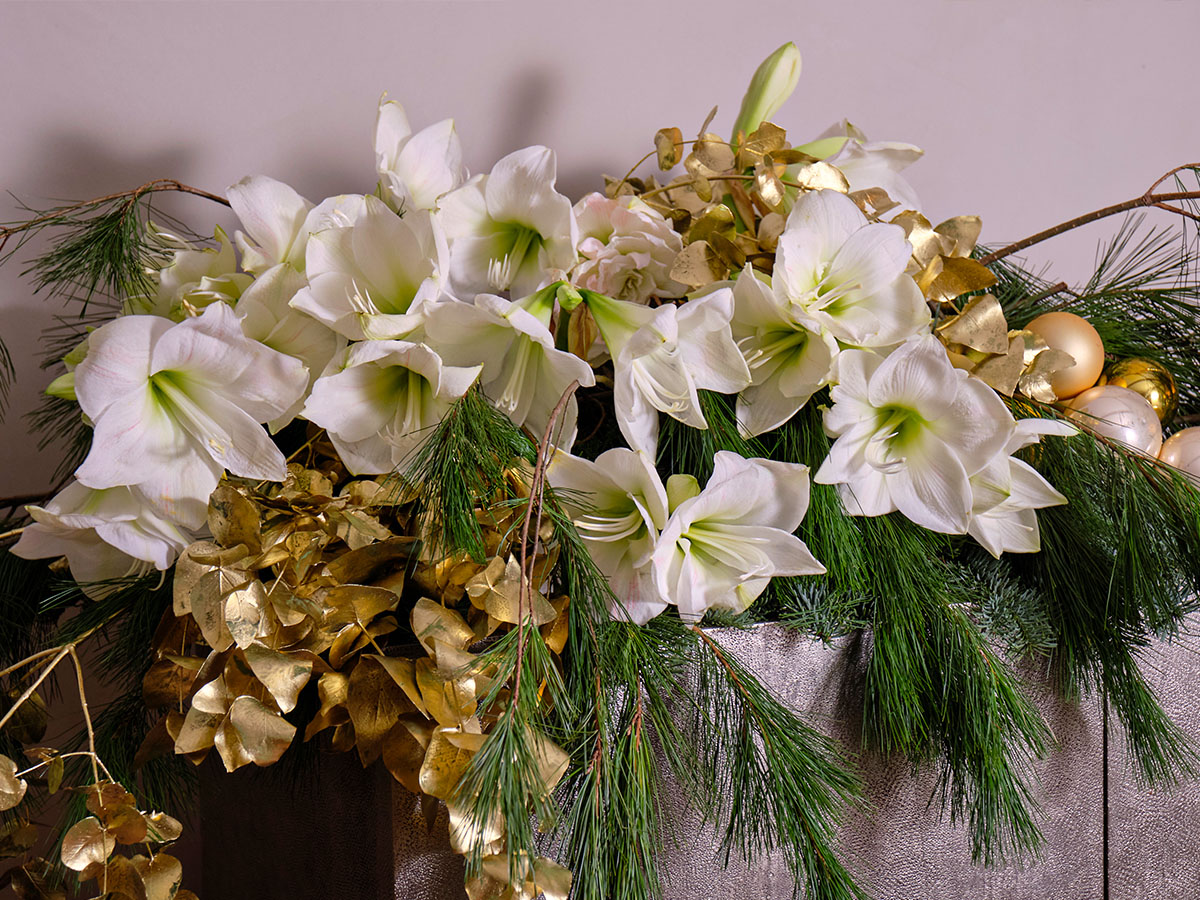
{"type": "Point", "coordinates": [1150, 379]}
{"type": "Point", "coordinates": [1075, 336]}
{"type": "Point", "coordinates": [1182, 450]}
{"type": "Point", "coordinates": [1118, 414]}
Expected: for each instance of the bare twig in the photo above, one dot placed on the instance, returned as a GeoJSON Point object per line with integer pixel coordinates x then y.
{"type": "Point", "coordinates": [1148, 199]}
{"type": "Point", "coordinates": [536, 489]}
{"type": "Point", "coordinates": [150, 187]}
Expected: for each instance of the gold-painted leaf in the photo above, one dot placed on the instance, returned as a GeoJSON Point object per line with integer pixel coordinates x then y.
{"type": "Point", "coordinates": [375, 703]}
{"type": "Point", "coordinates": [234, 519]}
{"type": "Point", "coordinates": [954, 277]}
{"type": "Point", "coordinates": [820, 176]}
{"type": "Point", "coordinates": [168, 681]}
{"type": "Point", "coordinates": [552, 760]}
{"type": "Point", "coordinates": [963, 233]}
{"type": "Point", "coordinates": [208, 605]}
{"type": "Point", "coordinates": [162, 829]}
{"type": "Point", "coordinates": [187, 572]}
{"type": "Point", "coordinates": [161, 875]}
{"type": "Point", "coordinates": [926, 243]}
{"type": "Point", "coordinates": [497, 590]}
{"type": "Point", "coordinates": [107, 797]}
{"type": "Point", "coordinates": [1002, 371]}
{"type": "Point", "coordinates": [358, 566]}
{"type": "Point", "coordinates": [555, 633]}
{"type": "Point", "coordinates": [449, 700]}
{"type": "Point", "coordinates": [873, 200]}
{"type": "Point", "coordinates": [770, 227]}
{"type": "Point", "coordinates": [981, 326]}
{"type": "Point", "coordinates": [432, 621]}
{"type": "Point", "coordinates": [1035, 382]}
{"type": "Point", "coordinates": [12, 788]}
{"type": "Point", "coordinates": [359, 529]}
{"type": "Point", "coordinates": [768, 187]}
{"type": "Point", "coordinates": [245, 609]}
{"type": "Point", "coordinates": [553, 880]}
{"type": "Point", "coordinates": [333, 688]}
{"type": "Point", "coordinates": [402, 671]}
{"type": "Point", "coordinates": [767, 138]}
{"type": "Point", "coordinates": [284, 673]}
{"type": "Point", "coordinates": [444, 764]}
{"type": "Point", "coordinates": [730, 254]}
{"type": "Point", "coordinates": [121, 879]}
{"type": "Point", "coordinates": [126, 824]}
{"type": "Point", "coordinates": [262, 732]}
{"type": "Point", "coordinates": [27, 725]}
{"type": "Point", "coordinates": [717, 218]}
{"type": "Point", "coordinates": [710, 156]}
{"type": "Point", "coordinates": [403, 755]}
{"type": "Point", "coordinates": [86, 843]}
{"type": "Point", "coordinates": [698, 265]}
{"type": "Point", "coordinates": [668, 143]}
{"type": "Point", "coordinates": [470, 835]}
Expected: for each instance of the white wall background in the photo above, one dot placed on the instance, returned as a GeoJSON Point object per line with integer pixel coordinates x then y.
{"type": "Point", "coordinates": [1031, 111]}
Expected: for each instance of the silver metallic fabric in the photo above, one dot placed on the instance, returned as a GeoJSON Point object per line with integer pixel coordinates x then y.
{"type": "Point", "coordinates": [355, 834]}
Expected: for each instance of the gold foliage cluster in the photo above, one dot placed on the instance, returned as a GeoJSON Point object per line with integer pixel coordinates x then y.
{"type": "Point", "coordinates": [327, 580]}
{"type": "Point", "coordinates": [731, 204]}
{"type": "Point", "coordinates": [89, 846]}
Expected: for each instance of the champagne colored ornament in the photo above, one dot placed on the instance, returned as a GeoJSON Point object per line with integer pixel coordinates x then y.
{"type": "Point", "coordinates": [1148, 378]}
{"type": "Point", "coordinates": [1119, 414]}
{"type": "Point", "coordinates": [1074, 335]}
{"type": "Point", "coordinates": [1182, 450]}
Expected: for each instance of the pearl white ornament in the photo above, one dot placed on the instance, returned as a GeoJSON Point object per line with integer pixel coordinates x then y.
{"type": "Point", "coordinates": [1121, 415]}
{"type": "Point", "coordinates": [1182, 450]}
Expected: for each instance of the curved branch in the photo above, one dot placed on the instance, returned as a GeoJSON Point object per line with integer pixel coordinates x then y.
{"type": "Point", "coordinates": [1149, 198]}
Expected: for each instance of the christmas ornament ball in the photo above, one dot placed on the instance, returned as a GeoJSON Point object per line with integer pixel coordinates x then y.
{"type": "Point", "coordinates": [1121, 415]}
{"type": "Point", "coordinates": [1074, 335]}
{"type": "Point", "coordinates": [1182, 450]}
{"type": "Point", "coordinates": [1150, 379]}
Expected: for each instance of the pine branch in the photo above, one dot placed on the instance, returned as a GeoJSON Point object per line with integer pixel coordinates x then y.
{"type": "Point", "coordinates": [778, 784]}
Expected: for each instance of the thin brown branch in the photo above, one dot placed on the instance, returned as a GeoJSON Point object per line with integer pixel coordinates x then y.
{"type": "Point", "coordinates": [1174, 171]}
{"type": "Point", "coordinates": [150, 187]}
{"type": "Point", "coordinates": [12, 533]}
{"type": "Point", "coordinates": [1148, 199]}
{"type": "Point", "coordinates": [536, 488]}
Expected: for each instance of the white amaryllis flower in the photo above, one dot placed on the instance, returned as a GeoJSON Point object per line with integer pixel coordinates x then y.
{"type": "Point", "coordinates": [267, 317]}
{"type": "Point", "coordinates": [844, 275]}
{"type": "Point", "coordinates": [911, 431]}
{"type": "Point", "coordinates": [626, 249]}
{"type": "Point", "coordinates": [523, 374]}
{"type": "Point", "coordinates": [788, 361]}
{"type": "Point", "coordinates": [869, 164]}
{"type": "Point", "coordinates": [1007, 491]}
{"type": "Point", "coordinates": [380, 405]}
{"type": "Point", "coordinates": [721, 546]}
{"type": "Point", "coordinates": [619, 506]}
{"type": "Point", "coordinates": [415, 169]}
{"type": "Point", "coordinates": [368, 280]}
{"type": "Point", "coordinates": [175, 405]}
{"type": "Point", "coordinates": [273, 215]}
{"type": "Point", "coordinates": [663, 356]}
{"type": "Point", "coordinates": [104, 534]}
{"type": "Point", "coordinates": [187, 279]}
{"type": "Point", "coordinates": [509, 230]}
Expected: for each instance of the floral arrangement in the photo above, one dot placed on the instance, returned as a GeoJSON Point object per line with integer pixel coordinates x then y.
{"type": "Point", "coordinates": [458, 475]}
